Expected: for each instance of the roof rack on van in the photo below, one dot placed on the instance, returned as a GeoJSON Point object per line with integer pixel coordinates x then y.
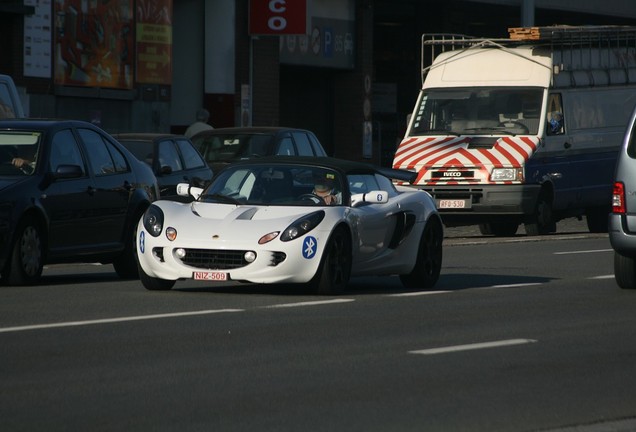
{"type": "Point", "coordinates": [581, 55]}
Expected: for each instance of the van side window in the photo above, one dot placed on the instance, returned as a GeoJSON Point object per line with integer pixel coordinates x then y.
{"type": "Point", "coordinates": [555, 121]}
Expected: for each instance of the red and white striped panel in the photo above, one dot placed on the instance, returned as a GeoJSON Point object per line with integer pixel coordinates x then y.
{"type": "Point", "coordinates": [427, 154]}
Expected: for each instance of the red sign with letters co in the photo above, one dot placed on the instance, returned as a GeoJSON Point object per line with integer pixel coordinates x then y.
{"type": "Point", "coordinates": [278, 17]}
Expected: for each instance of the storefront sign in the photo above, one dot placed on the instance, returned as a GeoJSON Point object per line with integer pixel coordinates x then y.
{"type": "Point", "coordinates": [278, 17]}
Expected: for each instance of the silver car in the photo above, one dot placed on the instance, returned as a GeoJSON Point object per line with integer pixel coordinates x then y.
{"type": "Point", "coordinates": [622, 220]}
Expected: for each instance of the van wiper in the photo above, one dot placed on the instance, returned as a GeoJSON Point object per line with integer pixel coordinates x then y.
{"type": "Point", "coordinates": [437, 131]}
{"type": "Point", "coordinates": [497, 129]}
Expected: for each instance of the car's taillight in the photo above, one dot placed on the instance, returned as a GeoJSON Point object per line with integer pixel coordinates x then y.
{"type": "Point", "coordinates": [618, 198]}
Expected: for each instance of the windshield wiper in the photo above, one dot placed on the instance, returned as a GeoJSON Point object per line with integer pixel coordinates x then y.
{"type": "Point", "coordinates": [498, 129]}
{"type": "Point", "coordinates": [219, 198]}
{"type": "Point", "coordinates": [436, 131]}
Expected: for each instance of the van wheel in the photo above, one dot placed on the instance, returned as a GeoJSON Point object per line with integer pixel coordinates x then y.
{"type": "Point", "coordinates": [499, 229]}
{"type": "Point", "coordinates": [625, 271]}
{"type": "Point", "coordinates": [26, 261]}
{"type": "Point", "coordinates": [428, 263]}
{"type": "Point", "coordinates": [596, 218]}
{"type": "Point", "coordinates": [542, 221]}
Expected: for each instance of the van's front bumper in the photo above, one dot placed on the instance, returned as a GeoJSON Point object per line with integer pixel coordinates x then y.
{"type": "Point", "coordinates": [476, 203]}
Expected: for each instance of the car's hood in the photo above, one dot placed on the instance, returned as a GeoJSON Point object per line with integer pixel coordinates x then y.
{"type": "Point", "coordinates": [242, 222]}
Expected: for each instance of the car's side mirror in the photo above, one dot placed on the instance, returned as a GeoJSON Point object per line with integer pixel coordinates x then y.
{"type": "Point", "coordinates": [373, 197]}
{"type": "Point", "coordinates": [164, 170]}
{"type": "Point", "coordinates": [184, 189]}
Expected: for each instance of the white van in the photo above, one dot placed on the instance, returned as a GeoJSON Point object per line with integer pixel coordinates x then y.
{"type": "Point", "coordinates": [10, 103]}
{"type": "Point", "coordinates": [522, 130]}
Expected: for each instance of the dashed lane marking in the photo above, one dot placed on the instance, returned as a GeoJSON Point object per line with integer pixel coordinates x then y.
{"type": "Point", "coordinates": [114, 320]}
{"type": "Point", "coordinates": [475, 346]}
{"type": "Point", "coordinates": [311, 303]}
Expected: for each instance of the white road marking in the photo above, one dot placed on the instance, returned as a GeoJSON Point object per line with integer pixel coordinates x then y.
{"type": "Point", "coordinates": [114, 320]}
{"type": "Point", "coordinates": [611, 276]}
{"type": "Point", "coordinates": [516, 285]}
{"type": "Point", "coordinates": [474, 346]}
{"type": "Point", "coordinates": [583, 251]}
{"type": "Point", "coordinates": [417, 293]}
{"type": "Point", "coordinates": [311, 303]}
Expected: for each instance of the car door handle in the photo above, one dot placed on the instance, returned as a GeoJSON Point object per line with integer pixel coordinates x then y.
{"type": "Point", "coordinates": [567, 145]}
{"type": "Point", "coordinates": [91, 190]}
{"type": "Point", "coordinates": [127, 185]}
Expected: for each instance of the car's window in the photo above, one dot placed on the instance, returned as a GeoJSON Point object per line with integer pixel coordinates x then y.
{"type": "Point", "coordinates": [191, 157]}
{"type": "Point", "coordinates": [103, 157]}
{"type": "Point", "coordinates": [65, 151]}
{"type": "Point", "coordinates": [316, 145]}
{"type": "Point", "coordinates": [169, 156]}
{"type": "Point", "coordinates": [274, 185]}
{"type": "Point", "coordinates": [258, 145]}
{"type": "Point", "coordinates": [302, 142]}
{"type": "Point", "coordinates": [19, 152]}
{"type": "Point", "coordinates": [286, 146]}
{"type": "Point", "coordinates": [362, 183]}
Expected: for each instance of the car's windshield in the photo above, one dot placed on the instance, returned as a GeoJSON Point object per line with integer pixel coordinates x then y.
{"type": "Point", "coordinates": [479, 111]}
{"type": "Point", "coordinates": [19, 153]}
{"type": "Point", "coordinates": [227, 147]}
{"type": "Point", "coordinates": [276, 185]}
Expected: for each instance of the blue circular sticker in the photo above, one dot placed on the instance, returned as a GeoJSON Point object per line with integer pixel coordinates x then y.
{"type": "Point", "coordinates": [310, 245]}
{"type": "Point", "coordinates": [142, 241]}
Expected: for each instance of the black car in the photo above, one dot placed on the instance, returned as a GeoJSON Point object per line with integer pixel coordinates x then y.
{"type": "Point", "coordinates": [173, 159]}
{"type": "Point", "coordinates": [69, 192]}
{"type": "Point", "coordinates": [222, 146]}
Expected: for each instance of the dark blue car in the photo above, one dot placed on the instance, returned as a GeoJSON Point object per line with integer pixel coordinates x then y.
{"type": "Point", "coordinates": [69, 192]}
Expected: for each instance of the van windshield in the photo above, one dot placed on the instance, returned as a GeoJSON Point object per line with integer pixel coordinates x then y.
{"type": "Point", "coordinates": [479, 111]}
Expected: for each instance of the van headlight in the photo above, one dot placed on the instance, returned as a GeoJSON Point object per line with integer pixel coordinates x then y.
{"type": "Point", "coordinates": [506, 174]}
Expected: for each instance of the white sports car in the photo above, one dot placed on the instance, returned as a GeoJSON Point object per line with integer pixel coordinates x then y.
{"type": "Point", "coordinates": [302, 220]}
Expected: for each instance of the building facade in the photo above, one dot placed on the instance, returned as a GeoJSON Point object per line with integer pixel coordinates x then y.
{"type": "Point", "coordinates": [349, 72]}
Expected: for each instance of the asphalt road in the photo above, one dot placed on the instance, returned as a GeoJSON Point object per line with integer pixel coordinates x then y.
{"type": "Point", "coordinates": [520, 334]}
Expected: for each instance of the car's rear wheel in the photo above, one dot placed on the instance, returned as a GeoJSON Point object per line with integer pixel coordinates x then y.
{"type": "Point", "coordinates": [334, 272]}
{"type": "Point", "coordinates": [428, 264]}
{"type": "Point", "coordinates": [27, 258]}
{"type": "Point", "coordinates": [153, 283]}
{"type": "Point", "coordinates": [625, 271]}
{"type": "Point", "coordinates": [126, 264]}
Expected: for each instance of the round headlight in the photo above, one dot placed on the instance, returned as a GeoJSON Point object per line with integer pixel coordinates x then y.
{"type": "Point", "coordinates": [180, 253]}
{"type": "Point", "coordinates": [249, 256]}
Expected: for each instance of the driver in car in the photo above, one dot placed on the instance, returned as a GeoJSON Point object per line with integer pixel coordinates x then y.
{"type": "Point", "coordinates": [323, 188]}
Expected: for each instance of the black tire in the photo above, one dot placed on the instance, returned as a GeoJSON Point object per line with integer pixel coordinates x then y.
{"type": "Point", "coordinates": [499, 229]}
{"type": "Point", "coordinates": [334, 271]}
{"type": "Point", "coordinates": [428, 264]}
{"type": "Point", "coordinates": [27, 258]}
{"type": "Point", "coordinates": [154, 284]}
{"type": "Point", "coordinates": [625, 271]}
{"type": "Point", "coordinates": [126, 264]}
{"type": "Point", "coordinates": [542, 221]}
{"type": "Point", "coordinates": [596, 218]}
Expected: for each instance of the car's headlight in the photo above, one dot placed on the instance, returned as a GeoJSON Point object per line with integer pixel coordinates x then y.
{"type": "Point", "coordinates": [506, 174]}
{"type": "Point", "coordinates": [153, 220]}
{"type": "Point", "coordinates": [302, 226]}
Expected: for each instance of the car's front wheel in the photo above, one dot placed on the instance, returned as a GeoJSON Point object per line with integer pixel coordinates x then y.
{"type": "Point", "coordinates": [625, 271]}
{"type": "Point", "coordinates": [334, 272]}
{"type": "Point", "coordinates": [153, 283]}
{"type": "Point", "coordinates": [27, 258]}
{"type": "Point", "coordinates": [428, 264]}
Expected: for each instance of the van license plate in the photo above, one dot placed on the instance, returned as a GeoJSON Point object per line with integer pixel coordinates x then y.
{"type": "Point", "coordinates": [210, 276]}
{"type": "Point", "coordinates": [453, 204]}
